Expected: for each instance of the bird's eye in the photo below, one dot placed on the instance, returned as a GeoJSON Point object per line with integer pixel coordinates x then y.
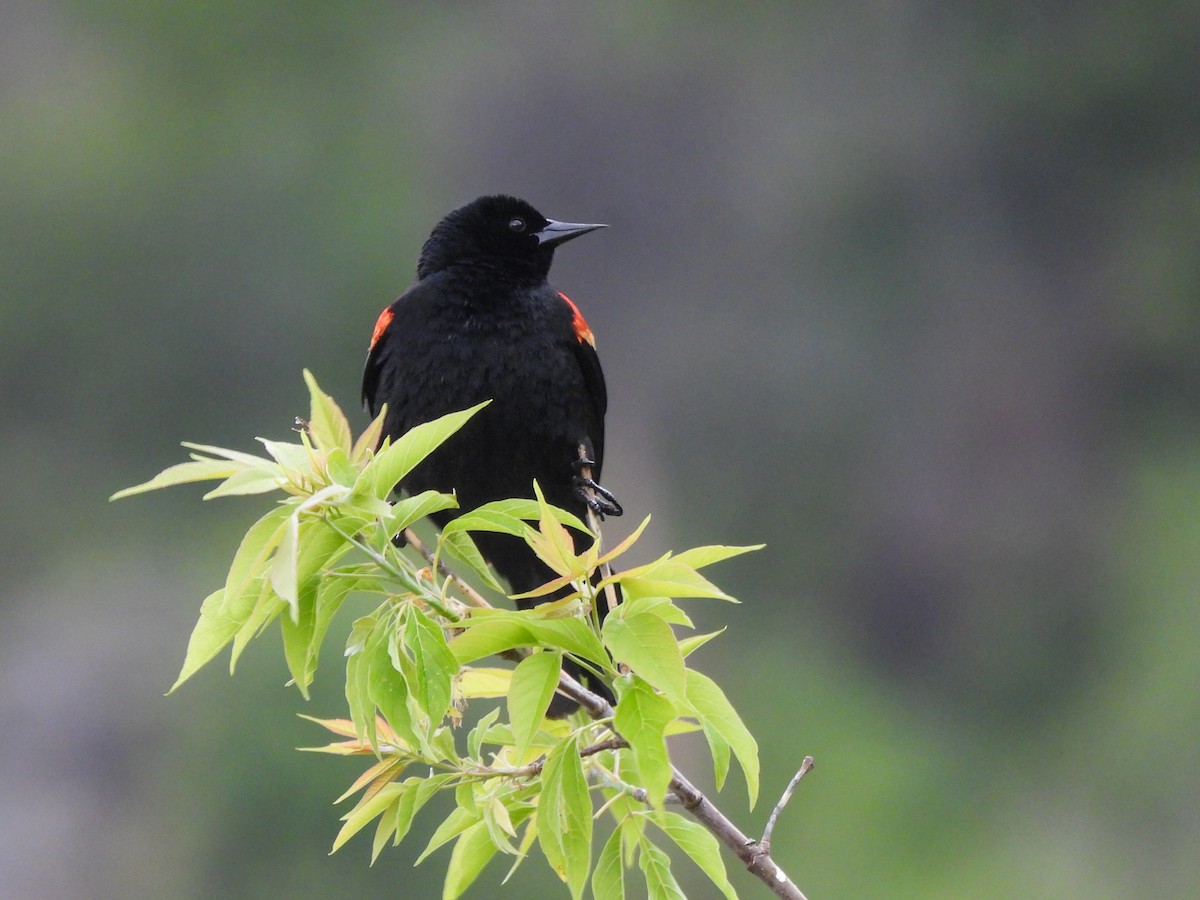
{"type": "Point", "coordinates": [516, 225]}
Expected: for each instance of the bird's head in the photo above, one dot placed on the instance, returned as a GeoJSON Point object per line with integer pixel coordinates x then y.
{"type": "Point", "coordinates": [500, 232]}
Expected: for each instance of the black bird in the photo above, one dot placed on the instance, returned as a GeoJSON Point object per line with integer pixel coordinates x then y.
{"type": "Point", "coordinates": [483, 323]}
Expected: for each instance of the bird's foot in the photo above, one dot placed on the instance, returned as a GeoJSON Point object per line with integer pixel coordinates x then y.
{"type": "Point", "coordinates": [598, 498]}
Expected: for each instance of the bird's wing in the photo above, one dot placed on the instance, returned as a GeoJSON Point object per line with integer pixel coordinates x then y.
{"type": "Point", "coordinates": [584, 347]}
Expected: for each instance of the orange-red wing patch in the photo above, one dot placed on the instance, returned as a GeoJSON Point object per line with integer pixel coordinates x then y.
{"type": "Point", "coordinates": [578, 322]}
{"type": "Point", "coordinates": [381, 324]}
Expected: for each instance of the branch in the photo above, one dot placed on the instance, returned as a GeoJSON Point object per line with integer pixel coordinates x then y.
{"type": "Point", "coordinates": [755, 854]}
{"type": "Point", "coordinates": [477, 599]}
{"type": "Point", "coordinates": [765, 843]}
{"type": "Point", "coordinates": [757, 858]}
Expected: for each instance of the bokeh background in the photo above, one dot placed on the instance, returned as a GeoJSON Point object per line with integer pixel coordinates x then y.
{"type": "Point", "coordinates": [909, 291]}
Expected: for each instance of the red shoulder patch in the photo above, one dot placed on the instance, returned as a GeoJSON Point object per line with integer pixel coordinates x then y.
{"type": "Point", "coordinates": [582, 331]}
{"type": "Point", "coordinates": [381, 324]}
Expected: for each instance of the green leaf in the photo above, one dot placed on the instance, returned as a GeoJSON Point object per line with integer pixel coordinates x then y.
{"type": "Point", "coordinates": [435, 665]}
{"type": "Point", "coordinates": [697, 842]}
{"type": "Point", "coordinates": [326, 422]}
{"type": "Point", "coordinates": [252, 554]}
{"type": "Point", "coordinates": [487, 633]}
{"type": "Point", "coordinates": [574, 635]}
{"type": "Point", "coordinates": [455, 824]}
{"type": "Point", "coordinates": [331, 593]}
{"type": "Point", "coordinates": [715, 711]}
{"type": "Point", "coordinates": [247, 481]}
{"type": "Point", "coordinates": [462, 547]}
{"type": "Point", "coordinates": [321, 548]}
{"type": "Point", "coordinates": [641, 718]}
{"type": "Point", "coordinates": [509, 517]}
{"type": "Point", "coordinates": [475, 738]}
{"type": "Point", "coordinates": [369, 439]}
{"type": "Point", "coordinates": [663, 607]}
{"type": "Point", "coordinates": [420, 790]}
{"type": "Point", "coordinates": [495, 630]}
{"type": "Point", "coordinates": [213, 631]}
{"type": "Point", "coordinates": [533, 684]}
{"type": "Point", "coordinates": [565, 815]}
{"type": "Point", "coordinates": [366, 810]}
{"type": "Point", "coordinates": [392, 463]}
{"type": "Point", "coordinates": [668, 577]}
{"type": "Point", "coordinates": [362, 642]}
{"type": "Point", "coordinates": [412, 509]}
{"type": "Point", "coordinates": [719, 748]}
{"type": "Point", "coordinates": [247, 460]}
{"type": "Point", "coordinates": [472, 851]}
{"type": "Point", "coordinates": [387, 688]}
{"type": "Point", "coordinates": [656, 866]}
{"type": "Point", "coordinates": [690, 645]}
{"type": "Point", "coordinates": [283, 564]}
{"type": "Point", "coordinates": [699, 557]}
{"type": "Point", "coordinates": [647, 644]}
{"type": "Point", "coordinates": [608, 878]}
{"type": "Point", "coordinates": [264, 607]}
{"type": "Point", "coordinates": [182, 473]}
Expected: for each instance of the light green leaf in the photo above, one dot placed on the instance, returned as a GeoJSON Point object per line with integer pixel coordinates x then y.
{"type": "Point", "coordinates": [412, 802]}
{"type": "Point", "coordinates": [213, 631]}
{"type": "Point", "coordinates": [321, 548]}
{"type": "Point", "coordinates": [263, 611]}
{"type": "Point", "coordinates": [486, 520]}
{"type": "Point", "coordinates": [690, 645]}
{"type": "Point", "coordinates": [411, 509]}
{"type": "Point", "coordinates": [331, 592]}
{"type": "Point", "coordinates": [391, 464]}
{"type": "Point", "coordinates": [247, 481]}
{"type": "Point", "coordinates": [608, 878]}
{"type": "Point", "coordinates": [369, 439]}
{"type": "Point", "coordinates": [455, 824]}
{"type": "Point", "coordinates": [182, 473]}
{"type": "Point", "coordinates": [387, 688]}
{"type": "Point", "coordinates": [475, 738]}
{"type": "Point", "coordinates": [294, 458]}
{"type": "Point", "coordinates": [366, 810]}
{"type": "Point", "coordinates": [492, 631]}
{"type": "Point", "coordinates": [715, 711]}
{"type": "Point", "coordinates": [663, 607]}
{"type": "Point", "coordinates": [573, 635]}
{"type": "Point", "coordinates": [565, 815]}
{"type": "Point", "coordinates": [480, 682]}
{"type": "Point", "coordinates": [641, 718]}
{"type": "Point", "coordinates": [667, 577]}
{"type": "Point", "coordinates": [326, 422]}
{"type": "Point", "coordinates": [719, 748]}
{"type": "Point", "coordinates": [656, 866]}
{"type": "Point", "coordinates": [434, 663]}
{"type": "Point", "coordinates": [697, 842]}
{"type": "Point", "coordinates": [462, 547]}
{"type": "Point", "coordinates": [647, 644]}
{"type": "Point", "coordinates": [533, 684]}
{"type": "Point", "coordinates": [283, 564]}
{"type": "Point", "coordinates": [472, 851]}
{"type": "Point", "coordinates": [362, 642]}
{"type": "Point", "coordinates": [252, 554]}
{"type": "Point", "coordinates": [507, 516]}
{"type": "Point", "coordinates": [487, 633]}
{"type": "Point", "coordinates": [235, 456]}
{"type": "Point", "coordinates": [699, 557]}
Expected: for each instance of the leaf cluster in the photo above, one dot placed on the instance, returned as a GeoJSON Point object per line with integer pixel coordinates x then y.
{"type": "Point", "coordinates": [426, 655]}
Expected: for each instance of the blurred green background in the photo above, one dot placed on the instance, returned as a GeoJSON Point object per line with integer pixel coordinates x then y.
{"type": "Point", "coordinates": [909, 291]}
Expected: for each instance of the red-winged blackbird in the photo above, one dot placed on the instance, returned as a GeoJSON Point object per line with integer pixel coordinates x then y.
{"type": "Point", "coordinates": [483, 323]}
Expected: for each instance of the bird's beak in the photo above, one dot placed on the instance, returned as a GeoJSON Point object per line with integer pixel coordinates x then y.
{"type": "Point", "coordinates": [556, 233]}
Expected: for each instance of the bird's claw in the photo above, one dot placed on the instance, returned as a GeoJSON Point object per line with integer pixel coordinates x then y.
{"type": "Point", "coordinates": [599, 499]}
